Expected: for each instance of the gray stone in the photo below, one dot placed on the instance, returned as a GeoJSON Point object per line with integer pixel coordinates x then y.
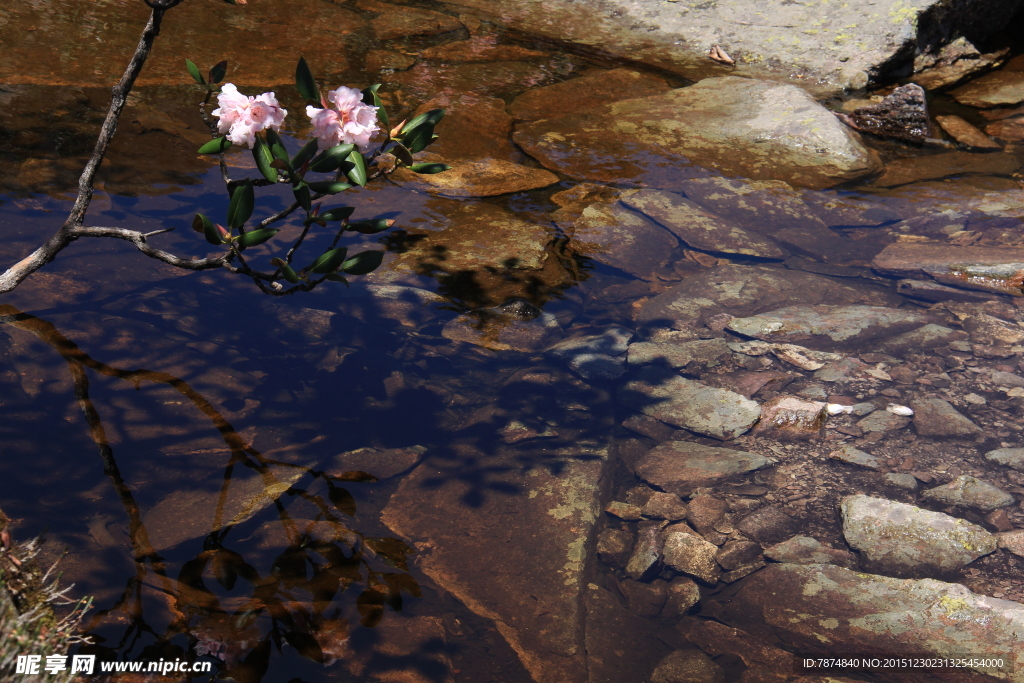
{"type": "Point", "coordinates": [612, 234]}
{"type": "Point", "coordinates": [936, 417]}
{"type": "Point", "coordinates": [883, 421]}
{"type": "Point", "coordinates": [681, 466]}
{"type": "Point", "coordinates": [807, 550]}
{"type": "Point", "coordinates": [692, 555]}
{"type": "Point", "coordinates": [1012, 541]}
{"type": "Point", "coordinates": [850, 46]}
{"type": "Point", "coordinates": [698, 228]}
{"type": "Point", "coordinates": [970, 492]}
{"type": "Point", "coordinates": [901, 480]}
{"type": "Point", "coordinates": [1006, 379]}
{"type": "Point", "coordinates": [645, 562]}
{"type": "Point", "coordinates": [738, 126]}
{"type": "Point", "coordinates": [762, 206]}
{"type": "Point", "coordinates": [843, 371]}
{"type": "Point", "coordinates": [828, 609]}
{"type": "Point", "coordinates": [768, 525]}
{"type": "Point", "coordinates": [746, 290]}
{"type": "Point", "coordinates": [700, 353]}
{"type": "Point", "coordinates": [1011, 457]}
{"type": "Point", "coordinates": [905, 540]}
{"type": "Point", "coordinates": [832, 326]}
{"type": "Point", "coordinates": [854, 456]}
{"type": "Point", "coordinates": [626, 511]}
{"type": "Point", "coordinates": [690, 404]}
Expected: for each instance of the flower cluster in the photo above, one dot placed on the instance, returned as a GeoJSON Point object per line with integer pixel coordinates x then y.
{"type": "Point", "coordinates": [348, 120]}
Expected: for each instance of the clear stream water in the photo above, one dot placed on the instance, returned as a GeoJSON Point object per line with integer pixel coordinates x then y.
{"type": "Point", "coordinates": [136, 400]}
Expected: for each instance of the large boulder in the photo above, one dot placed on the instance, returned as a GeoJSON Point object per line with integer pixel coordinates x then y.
{"type": "Point", "coordinates": [755, 129]}
{"type": "Point", "coordinates": [824, 48]}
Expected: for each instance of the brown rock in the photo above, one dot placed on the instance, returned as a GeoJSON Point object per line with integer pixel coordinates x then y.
{"type": "Point", "coordinates": [718, 639]}
{"type": "Point", "coordinates": [645, 562]}
{"type": "Point", "coordinates": [966, 134]}
{"type": "Point", "coordinates": [691, 555]}
{"type": "Point", "coordinates": [614, 546]}
{"type": "Point", "coordinates": [399, 21]}
{"type": "Point", "coordinates": [768, 525]}
{"type": "Point", "coordinates": [486, 178]}
{"type": "Point", "coordinates": [645, 599]}
{"type": "Point", "coordinates": [681, 466]}
{"type": "Point", "coordinates": [474, 127]}
{"type": "Point", "coordinates": [736, 554]}
{"type": "Point", "coordinates": [489, 79]}
{"type": "Point", "coordinates": [611, 631]}
{"type": "Point", "coordinates": [790, 418]}
{"type": "Point", "coordinates": [915, 169]}
{"type": "Point", "coordinates": [1010, 130]}
{"type": "Point", "coordinates": [995, 89]}
{"type": "Point", "coordinates": [381, 463]}
{"type": "Point", "coordinates": [623, 510]}
{"type": "Point", "coordinates": [589, 90]}
{"type": "Point", "coordinates": [377, 60]}
{"type": "Point", "coordinates": [935, 417]}
{"type": "Point", "coordinates": [687, 666]}
{"type": "Point", "coordinates": [480, 48]}
{"type": "Point", "coordinates": [683, 594]}
{"type": "Point", "coordinates": [706, 512]}
{"type": "Point", "coordinates": [663, 505]}
{"type": "Point", "coordinates": [806, 550]}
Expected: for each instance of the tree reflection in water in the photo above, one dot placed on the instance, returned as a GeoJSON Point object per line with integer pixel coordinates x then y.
{"type": "Point", "coordinates": [238, 624]}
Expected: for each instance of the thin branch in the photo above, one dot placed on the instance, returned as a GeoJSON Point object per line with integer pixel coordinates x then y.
{"type": "Point", "coordinates": [139, 240]}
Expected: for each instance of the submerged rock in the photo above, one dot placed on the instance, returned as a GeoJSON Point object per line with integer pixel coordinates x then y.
{"type": "Point", "coordinates": [1011, 457]}
{"type": "Point", "coordinates": [663, 395]}
{"type": "Point", "coordinates": [905, 540]}
{"type": "Point", "coordinates": [971, 492]}
{"type": "Point", "coordinates": [763, 206]}
{"type": "Point", "coordinates": [746, 290]}
{"type": "Point", "coordinates": [996, 89]}
{"type": "Point", "coordinates": [755, 129]}
{"type": "Point", "coordinates": [692, 555]}
{"type": "Point", "coordinates": [589, 90]}
{"type": "Point", "coordinates": [699, 353]}
{"type": "Point", "coordinates": [681, 466]}
{"type": "Point", "coordinates": [831, 326]}
{"type": "Point", "coordinates": [914, 169]}
{"type": "Point", "coordinates": [807, 550]}
{"type": "Point", "coordinates": [936, 417]}
{"type": "Point", "coordinates": [698, 228]}
{"type": "Point", "coordinates": [485, 178]}
{"type": "Point", "coordinates": [790, 418]}
{"type": "Point", "coordinates": [828, 609]}
{"type": "Point", "coordinates": [902, 115]}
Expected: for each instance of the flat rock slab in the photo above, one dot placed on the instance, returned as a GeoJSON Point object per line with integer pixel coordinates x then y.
{"type": "Point", "coordinates": [690, 404]}
{"type": "Point", "coordinates": [1011, 457]}
{"type": "Point", "coordinates": [830, 327]}
{"type": "Point", "coordinates": [589, 90]}
{"type": "Point", "coordinates": [826, 48]}
{"type": "Point", "coordinates": [515, 554]}
{"type": "Point", "coordinates": [485, 178]}
{"type": "Point", "coordinates": [698, 228]}
{"type": "Point", "coordinates": [746, 290]}
{"type": "Point", "coordinates": [699, 353]}
{"type": "Point", "coordinates": [991, 269]}
{"type": "Point", "coordinates": [914, 169]}
{"type": "Point", "coordinates": [737, 126]}
{"type": "Point", "coordinates": [681, 466]}
{"type": "Point", "coordinates": [996, 89]}
{"type": "Point", "coordinates": [828, 609]}
{"type": "Point", "coordinates": [905, 540]}
{"type": "Point", "coordinates": [936, 417]}
{"type": "Point", "coordinates": [382, 463]}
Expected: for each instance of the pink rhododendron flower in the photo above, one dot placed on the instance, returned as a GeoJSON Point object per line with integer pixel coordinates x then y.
{"type": "Point", "coordinates": [349, 120]}
{"type": "Point", "coordinates": [241, 117]}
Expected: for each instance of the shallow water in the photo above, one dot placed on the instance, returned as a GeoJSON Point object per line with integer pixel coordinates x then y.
{"type": "Point", "coordinates": [147, 411]}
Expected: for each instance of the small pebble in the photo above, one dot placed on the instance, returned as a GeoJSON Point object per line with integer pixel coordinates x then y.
{"type": "Point", "coordinates": [838, 409]}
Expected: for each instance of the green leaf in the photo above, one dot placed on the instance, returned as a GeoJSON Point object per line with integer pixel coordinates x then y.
{"type": "Point", "coordinates": [338, 214]}
{"type": "Point", "coordinates": [329, 260]}
{"type": "Point", "coordinates": [194, 70]}
{"type": "Point", "coordinates": [371, 98]}
{"type": "Point", "coordinates": [302, 196]}
{"type": "Point", "coordinates": [255, 237]}
{"type": "Point", "coordinates": [305, 82]}
{"type": "Point", "coordinates": [277, 146]}
{"type": "Point", "coordinates": [362, 263]}
{"type": "Point", "coordinates": [242, 201]}
{"type": "Point", "coordinates": [305, 154]}
{"type": "Point", "coordinates": [329, 159]}
{"type": "Point", "coordinates": [218, 71]}
{"type": "Point", "coordinates": [432, 117]}
{"type": "Point", "coordinates": [418, 139]}
{"type": "Point", "coordinates": [216, 146]}
{"type": "Point", "coordinates": [370, 227]}
{"type": "Point", "coordinates": [337, 278]}
{"type": "Point", "coordinates": [402, 153]}
{"type": "Point", "coordinates": [264, 158]}
{"type": "Point", "coordinates": [429, 168]}
{"type": "Point", "coordinates": [328, 187]}
{"type": "Point", "coordinates": [358, 173]}
{"type": "Point", "coordinates": [286, 270]}
{"type": "Point", "coordinates": [209, 229]}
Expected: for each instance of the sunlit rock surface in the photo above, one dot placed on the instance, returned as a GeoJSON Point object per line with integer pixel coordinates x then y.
{"type": "Point", "coordinates": [828, 47]}
{"type": "Point", "coordinates": [756, 129]}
